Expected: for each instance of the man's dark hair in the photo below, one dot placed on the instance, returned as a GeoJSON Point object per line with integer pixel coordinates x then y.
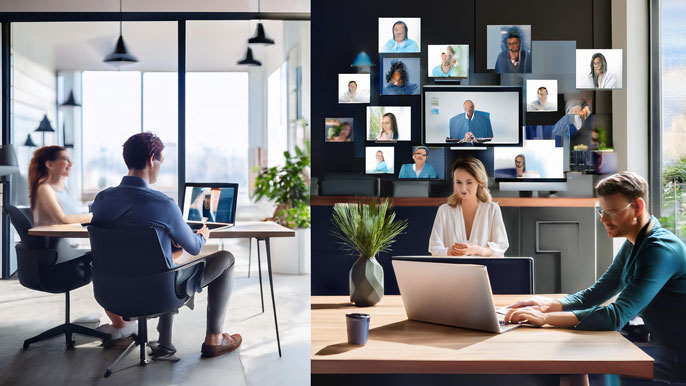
{"type": "Point", "coordinates": [351, 82]}
{"type": "Point", "coordinates": [138, 149]}
{"type": "Point", "coordinates": [542, 88]}
{"type": "Point", "coordinates": [628, 184]}
{"type": "Point", "coordinates": [514, 33]}
{"type": "Point", "coordinates": [399, 66]}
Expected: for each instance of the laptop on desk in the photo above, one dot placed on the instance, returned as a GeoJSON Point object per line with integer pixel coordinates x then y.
{"type": "Point", "coordinates": [444, 291]}
{"type": "Point", "coordinates": [211, 203]}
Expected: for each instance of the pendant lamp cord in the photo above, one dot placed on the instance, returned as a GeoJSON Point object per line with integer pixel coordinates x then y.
{"type": "Point", "coordinates": [121, 17]}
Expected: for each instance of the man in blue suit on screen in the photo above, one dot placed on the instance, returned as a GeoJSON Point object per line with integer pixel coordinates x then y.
{"type": "Point", "coordinates": [471, 124]}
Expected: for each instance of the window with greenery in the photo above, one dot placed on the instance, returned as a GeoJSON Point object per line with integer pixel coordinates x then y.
{"type": "Point", "coordinates": [673, 97]}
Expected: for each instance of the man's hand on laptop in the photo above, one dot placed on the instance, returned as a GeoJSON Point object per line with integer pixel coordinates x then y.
{"type": "Point", "coordinates": [204, 231]}
{"type": "Point", "coordinates": [539, 303]}
{"type": "Point", "coordinates": [526, 315]}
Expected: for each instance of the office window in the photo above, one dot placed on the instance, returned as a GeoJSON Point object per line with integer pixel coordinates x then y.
{"type": "Point", "coordinates": [160, 115]}
{"type": "Point", "coordinates": [217, 129]}
{"type": "Point", "coordinates": [673, 96]}
{"type": "Point", "coordinates": [111, 114]}
{"type": "Point", "coordinates": [277, 133]}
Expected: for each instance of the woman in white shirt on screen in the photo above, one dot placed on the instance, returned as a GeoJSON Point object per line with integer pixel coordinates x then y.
{"type": "Point", "coordinates": [470, 223]}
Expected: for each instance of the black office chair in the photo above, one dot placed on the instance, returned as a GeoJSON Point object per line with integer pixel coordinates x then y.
{"type": "Point", "coordinates": [131, 278]}
{"type": "Point", "coordinates": [36, 268]}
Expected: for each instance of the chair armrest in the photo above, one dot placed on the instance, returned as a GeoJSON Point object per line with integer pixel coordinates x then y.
{"type": "Point", "coordinates": [189, 264]}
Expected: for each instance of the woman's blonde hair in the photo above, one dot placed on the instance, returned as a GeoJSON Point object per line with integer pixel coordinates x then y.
{"type": "Point", "coordinates": [474, 167]}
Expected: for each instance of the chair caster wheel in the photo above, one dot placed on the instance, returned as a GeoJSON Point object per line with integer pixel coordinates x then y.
{"type": "Point", "coordinates": [71, 344]}
{"type": "Point", "coordinates": [26, 345]}
{"type": "Point", "coordinates": [107, 373]}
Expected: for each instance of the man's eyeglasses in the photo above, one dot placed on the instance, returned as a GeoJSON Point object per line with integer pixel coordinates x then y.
{"type": "Point", "coordinates": [610, 213]}
{"type": "Point", "coordinates": [420, 154]}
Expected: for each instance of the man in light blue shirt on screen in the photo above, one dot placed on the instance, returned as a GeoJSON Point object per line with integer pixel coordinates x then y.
{"type": "Point", "coordinates": [471, 124]}
{"type": "Point", "coordinates": [420, 168]}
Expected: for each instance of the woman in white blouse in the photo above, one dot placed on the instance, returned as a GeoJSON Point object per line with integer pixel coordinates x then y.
{"type": "Point", "coordinates": [469, 224]}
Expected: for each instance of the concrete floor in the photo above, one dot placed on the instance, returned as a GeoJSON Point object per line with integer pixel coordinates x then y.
{"type": "Point", "coordinates": [25, 313]}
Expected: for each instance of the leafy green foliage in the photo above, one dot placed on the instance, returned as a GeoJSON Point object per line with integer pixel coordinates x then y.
{"type": "Point", "coordinates": [676, 172]}
{"type": "Point", "coordinates": [334, 131]}
{"type": "Point", "coordinates": [286, 186]}
{"type": "Point", "coordinates": [366, 228]}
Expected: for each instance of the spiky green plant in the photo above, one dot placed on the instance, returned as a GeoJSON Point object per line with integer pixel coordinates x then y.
{"type": "Point", "coordinates": [366, 228]}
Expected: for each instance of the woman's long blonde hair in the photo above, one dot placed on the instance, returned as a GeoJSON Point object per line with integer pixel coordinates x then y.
{"type": "Point", "coordinates": [474, 167]}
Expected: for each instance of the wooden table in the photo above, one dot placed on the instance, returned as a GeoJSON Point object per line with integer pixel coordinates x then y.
{"type": "Point", "coordinates": [398, 345]}
{"type": "Point", "coordinates": [262, 231]}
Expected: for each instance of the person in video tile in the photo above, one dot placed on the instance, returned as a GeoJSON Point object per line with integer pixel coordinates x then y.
{"type": "Point", "coordinates": [398, 80]}
{"type": "Point", "coordinates": [400, 42]}
{"type": "Point", "coordinates": [471, 124]}
{"type": "Point", "coordinates": [513, 59]}
{"type": "Point", "coordinates": [420, 168]}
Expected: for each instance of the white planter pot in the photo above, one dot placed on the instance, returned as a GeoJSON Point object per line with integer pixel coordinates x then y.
{"type": "Point", "coordinates": [291, 255]}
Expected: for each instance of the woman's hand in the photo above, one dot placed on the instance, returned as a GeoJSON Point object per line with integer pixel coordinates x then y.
{"type": "Point", "coordinates": [465, 249]}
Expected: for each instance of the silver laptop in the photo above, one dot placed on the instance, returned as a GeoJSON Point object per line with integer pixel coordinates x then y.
{"type": "Point", "coordinates": [451, 294]}
{"type": "Point", "coordinates": [212, 204]}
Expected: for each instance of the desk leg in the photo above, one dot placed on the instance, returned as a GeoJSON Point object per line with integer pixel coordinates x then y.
{"type": "Point", "coordinates": [259, 269]}
{"type": "Point", "coordinates": [271, 286]}
{"type": "Point", "coordinates": [249, 254]}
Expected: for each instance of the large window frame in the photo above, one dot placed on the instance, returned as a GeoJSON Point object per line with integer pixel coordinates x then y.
{"type": "Point", "coordinates": [7, 18]}
{"type": "Point", "coordinates": [655, 150]}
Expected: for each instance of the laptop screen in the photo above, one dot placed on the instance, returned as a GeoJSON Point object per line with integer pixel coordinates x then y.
{"type": "Point", "coordinates": [216, 202]}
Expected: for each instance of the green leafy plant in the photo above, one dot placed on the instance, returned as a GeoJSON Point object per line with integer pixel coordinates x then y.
{"type": "Point", "coordinates": [675, 173]}
{"type": "Point", "coordinates": [335, 130]}
{"type": "Point", "coordinates": [287, 186]}
{"type": "Point", "coordinates": [366, 228]}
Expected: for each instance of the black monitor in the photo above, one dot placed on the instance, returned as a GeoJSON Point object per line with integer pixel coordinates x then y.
{"type": "Point", "coordinates": [468, 116]}
{"type": "Point", "coordinates": [537, 166]}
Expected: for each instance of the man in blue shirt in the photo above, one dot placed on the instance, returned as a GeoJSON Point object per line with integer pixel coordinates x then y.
{"type": "Point", "coordinates": [134, 204]}
{"type": "Point", "coordinates": [471, 124]}
{"type": "Point", "coordinates": [513, 59]}
{"type": "Point", "coordinates": [648, 273]}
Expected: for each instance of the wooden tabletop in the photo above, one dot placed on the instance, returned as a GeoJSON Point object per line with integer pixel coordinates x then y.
{"type": "Point", "coordinates": [524, 202]}
{"type": "Point", "coordinates": [240, 230]}
{"type": "Point", "coordinates": [398, 345]}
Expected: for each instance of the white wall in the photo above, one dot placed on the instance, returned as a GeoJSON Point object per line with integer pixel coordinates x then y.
{"type": "Point", "coordinates": [300, 6]}
{"type": "Point", "coordinates": [630, 106]}
{"type": "Point", "coordinates": [34, 95]}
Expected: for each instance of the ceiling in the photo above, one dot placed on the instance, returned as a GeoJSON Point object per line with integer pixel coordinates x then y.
{"type": "Point", "coordinates": [299, 6]}
{"type": "Point", "coordinates": [78, 46]}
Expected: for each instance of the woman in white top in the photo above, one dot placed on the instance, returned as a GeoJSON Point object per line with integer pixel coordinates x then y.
{"type": "Point", "coordinates": [51, 204]}
{"type": "Point", "coordinates": [469, 224]}
{"type": "Point", "coordinates": [599, 77]}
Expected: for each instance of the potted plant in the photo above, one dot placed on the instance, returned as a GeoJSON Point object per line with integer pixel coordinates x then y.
{"type": "Point", "coordinates": [366, 229]}
{"type": "Point", "coordinates": [287, 187]}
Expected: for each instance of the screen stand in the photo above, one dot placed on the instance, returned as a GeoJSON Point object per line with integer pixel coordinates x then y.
{"type": "Point", "coordinates": [533, 194]}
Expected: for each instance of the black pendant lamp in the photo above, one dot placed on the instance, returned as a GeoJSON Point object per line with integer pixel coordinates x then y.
{"type": "Point", "coordinates": [260, 36]}
{"type": "Point", "coordinates": [249, 60]}
{"type": "Point", "coordinates": [45, 127]}
{"type": "Point", "coordinates": [29, 141]}
{"type": "Point", "coordinates": [120, 55]}
{"type": "Point", "coordinates": [70, 102]}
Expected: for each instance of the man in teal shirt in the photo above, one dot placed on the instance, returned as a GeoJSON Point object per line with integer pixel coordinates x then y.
{"type": "Point", "coordinates": [648, 273]}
